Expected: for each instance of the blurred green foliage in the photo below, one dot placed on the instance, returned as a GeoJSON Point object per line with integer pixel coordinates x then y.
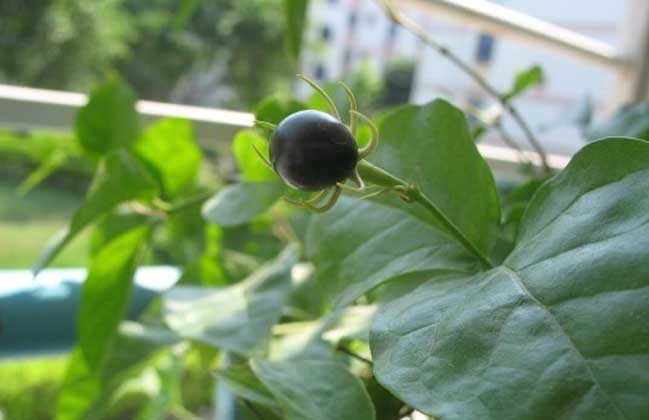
{"type": "Point", "coordinates": [200, 52]}
{"type": "Point", "coordinates": [25, 227]}
{"type": "Point", "coordinates": [28, 388]}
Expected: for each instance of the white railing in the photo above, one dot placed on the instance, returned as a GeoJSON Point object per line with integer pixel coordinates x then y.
{"type": "Point", "coordinates": [629, 61]}
{"type": "Point", "coordinates": [29, 108]}
{"type": "Point", "coordinates": [497, 19]}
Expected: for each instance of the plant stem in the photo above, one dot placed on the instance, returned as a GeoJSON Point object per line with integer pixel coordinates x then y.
{"type": "Point", "coordinates": [412, 193]}
{"type": "Point", "coordinates": [418, 196]}
{"type": "Point", "coordinates": [341, 348]}
{"type": "Point", "coordinates": [175, 208]}
{"type": "Point", "coordinates": [420, 33]}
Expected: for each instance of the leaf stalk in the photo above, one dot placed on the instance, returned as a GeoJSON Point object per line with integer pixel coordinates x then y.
{"type": "Point", "coordinates": [412, 193]}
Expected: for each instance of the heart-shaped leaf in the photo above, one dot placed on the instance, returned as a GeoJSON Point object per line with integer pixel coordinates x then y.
{"type": "Point", "coordinates": [359, 245]}
{"type": "Point", "coordinates": [559, 330]}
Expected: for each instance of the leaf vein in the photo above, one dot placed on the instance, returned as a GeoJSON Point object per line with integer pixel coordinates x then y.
{"type": "Point", "coordinates": [518, 281]}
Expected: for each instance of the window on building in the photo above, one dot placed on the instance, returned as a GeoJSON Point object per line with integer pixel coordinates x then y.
{"type": "Point", "coordinates": [326, 33]}
{"type": "Point", "coordinates": [393, 31]}
{"type": "Point", "coordinates": [352, 19]}
{"type": "Point", "coordinates": [347, 59]}
{"type": "Point", "coordinates": [484, 52]}
{"type": "Point", "coordinates": [320, 72]}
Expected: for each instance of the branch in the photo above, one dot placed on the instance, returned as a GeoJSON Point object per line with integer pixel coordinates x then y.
{"type": "Point", "coordinates": [412, 26]}
{"type": "Point", "coordinates": [341, 348]}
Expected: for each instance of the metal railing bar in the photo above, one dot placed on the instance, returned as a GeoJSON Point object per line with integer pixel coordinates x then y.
{"type": "Point", "coordinates": [150, 108]}
{"type": "Point", "coordinates": [497, 19]}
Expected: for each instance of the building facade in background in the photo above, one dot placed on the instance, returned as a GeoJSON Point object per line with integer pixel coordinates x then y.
{"type": "Point", "coordinates": [345, 34]}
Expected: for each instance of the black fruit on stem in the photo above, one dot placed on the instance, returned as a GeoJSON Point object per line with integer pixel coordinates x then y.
{"type": "Point", "coordinates": [311, 150]}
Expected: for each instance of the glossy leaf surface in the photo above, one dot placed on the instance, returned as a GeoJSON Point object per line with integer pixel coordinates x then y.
{"type": "Point", "coordinates": [315, 389]}
{"type": "Point", "coordinates": [560, 327]}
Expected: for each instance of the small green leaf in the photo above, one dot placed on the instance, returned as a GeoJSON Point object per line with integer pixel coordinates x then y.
{"type": "Point", "coordinates": [104, 297]}
{"type": "Point", "coordinates": [119, 178]}
{"type": "Point", "coordinates": [560, 328]}
{"type": "Point", "coordinates": [169, 150]}
{"type": "Point", "coordinates": [109, 120]}
{"type": "Point", "coordinates": [240, 203]}
{"type": "Point", "coordinates": [106, 292]}
{"type": "Point", "coordinates": [236, 318]}
{"type": "Point", "coordinates": [295, 21]}
{"type": "Point", "coordinates": [46, 168]}
{"type": "Point", "coordinates": [252, 168]}
{"type": "Point", "coordinates": [242, 382]}
{"type": "Point", "coordinates": [315, 389]}
{"type": "Point", "coordinates": [275, 108]}
{"type": "Point", "coordinates": [524, 80]}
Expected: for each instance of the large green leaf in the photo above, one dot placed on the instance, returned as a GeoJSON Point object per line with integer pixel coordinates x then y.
{"type": "Point", "coordinates": [169, 150]}
{"type": "Point", "coordinates": [431, 146]}
{"type": "Point", "coordinates": [106, 293]}
{"type": "Point", "coordinates": [80, 387]}
{"type": "Point", "coordinates": [295, 21]}
{"type": "Point", "coordinates": [236, 318]}
{"type": "Point", "coordinates": [109, 120]}
{"type": "Point", "coordinates": [240, 203]}
{"type": "Point", "coordinates": [360, 244]}
{"type": "Point", "coordinates": [119, 178]}
{"type": "Point", "coordinates": [315, 389]}
{"type": "Point", "coordinates": [104, 297]}
{"type": "Point", "coordinates": [559, 330]}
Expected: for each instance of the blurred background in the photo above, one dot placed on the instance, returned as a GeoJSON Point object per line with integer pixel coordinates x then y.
{"type": "Point", "coordinates": [588, 60]}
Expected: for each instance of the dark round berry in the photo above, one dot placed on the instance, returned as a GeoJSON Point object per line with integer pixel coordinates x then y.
{"type": "Point", "coordinates": [312, 150]}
